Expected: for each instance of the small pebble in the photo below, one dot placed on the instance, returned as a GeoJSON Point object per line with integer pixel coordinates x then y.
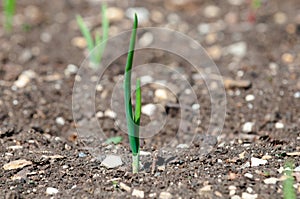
{"type": "Point", "coordinates": [287, 58]}
{"type": "Point", "coordinates": [148, 109]}
{"type": "Point", "coordinates": [146, 39]}
{"type": "Point", "coordinates": [297, 95]}
{"type": "Point", "coordinates": [236, 197]}
{"type": "Point", "coordinates": [114, 14]}
{"type": "Point", "coordinates": [280, 18]}
{"type": "Point", "coordinates": [236, 2]}
{"type": "Point", "coordinates": [138, 193]}
{"type": "Point", "coordinates": [250, 98]}
{"type": "Point", "coordinates": [257, 162]}
{"type": "Point", "coordinates": [165, 195]}
{"type": "Point", "coordinates": [146, 79]}
{"type": "Point", "coordinates": [182, 146]}
{"type": "Point", "coordinates": [112, 161]}
{"type": "Point", "coordinates": [204, 28]}
{"type": "Point", "coordinates": [271, 180]}
{"type": "Point", "coordinates": [215, 52]}
{"type": "Point", "coordinates": [248, 127]}
{"type": "Point", "coordinates": [45, 37]}
{"type": "Point", "coordinates": [51, 191]}
{"type": "Point", "coordinates": [211, 11]}
{"type": "Point", "coordinates": [230, 83]}
{"type": "Point", "coordinates": [248, 175]}
{"type": "Point", "coordinates": [81, 155]}
{"type": "Point", "coordinates": [24, 78]}
{"type": "Point", "coordinates": [16, 164]}
{"type": "Point", "coordinates": [125, 187]}
{"type": "Point", "coordinates": [279, 125]}
{"type": "Point", "coordinates": [196, 107]}
{"type": "Point", "coordinates": [111, 114]}
{"type": "Point", "coordinates": [249, 196]}
{"type": "Point", "coordinates": [60, 121]}
{"type": "Point", "coordinates": [71, 70]}
{"type": "Point", "coordinates": [99, 114]}
{"type": "Point", "coordinates": [79, 42]}
{"type": "Point", "coordinates": [237, 49]}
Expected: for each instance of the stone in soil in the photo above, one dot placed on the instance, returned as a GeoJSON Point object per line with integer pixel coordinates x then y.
{"type": "Point", "coordinates": [249, 196]}
{"type": "Point", "coordinates": [112, 161]}
{"type": "Point", "coordinates": [51, 191]}
{"type": "Point", "coordinates": [248, 127]}
{"type": "Point", "coordinates": [165, 195]}
{"type": "Point", "coordinates": [138, 193]}
{"type": "Point", "coordinates": [257, 162]}
{"type": "Point", "coordinates": [17, 164]}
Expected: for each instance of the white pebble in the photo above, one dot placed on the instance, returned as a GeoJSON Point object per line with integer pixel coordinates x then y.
{"type": "Point", "coordinates": [236, 197]}
{"type": "Point", "coordinates": [248, 127]}
{"type": "Point", "coordinates": [204, 28]}
{"type": "Point", "coordinates": [237, 49]}
{"type": "Point", "coordinates": [236, 2]}
{"type": "Point", "coordinates": [256, 162]}
{"type": "Point", "coordinates": [112, 161]}
{"type": "Point", "coordinates": [138, 193]}
{"type": "Point", "coordinates": [165, 195]}
{"type": "Point", "coordinates": [99, 114]}
{"type": "Point", "coordinates": [279, 125]}
{"type": "Point", "coordinates": [297, 95]}
{"type": "Point", "coordinates": [211, 11]}
{"type": "Point", "coordinates": [71, 70]}
{"type": "Point", "coordinates": [148, 109]}
{"type": "Point", "coordinates": [248, 175]}
{"type": "Point", "coordinates": [250, 98]}
{"type": "Point", "coordinates": [146, 79]}
{"type": "Point", "coordinates": [24, 78]}
{"type": "Point", "coordinates": [109, 113]}
{"type": "Point", "coordinates": [271, 180]}
{"type": "Point", "coordinates": [195, 106]}
{"type": "Point", "coordinates": [51, 191]}
{"type": "Point", "coordinates": [182, 146]}
{"type": "Point", "coordinates": [60, 121]}
{"type": "Point", "coordinates": [146, 39]}
{"type": "Point", "coordinates": [248, 196]}
{"type": "Point", "coordinates": [161, 94]}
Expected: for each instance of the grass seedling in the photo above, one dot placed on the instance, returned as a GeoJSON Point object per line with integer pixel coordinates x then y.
{"type": "Point", "coordinates": [288, 183]}
{"type": "Point", "coordinates": [9, 7]}
{"type": "Point", "coordinates": [133, 121]}
{"type": "Point", "coordinates": [95, 54]}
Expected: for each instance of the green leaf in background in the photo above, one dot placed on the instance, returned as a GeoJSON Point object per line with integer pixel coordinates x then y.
{"type": "Point", "coordinates": [115, 140]}
{"type": "Point", "coordinates": [9, 7]}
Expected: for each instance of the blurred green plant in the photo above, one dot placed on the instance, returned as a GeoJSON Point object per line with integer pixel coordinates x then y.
{"type": "Point", "coordinates": [288, 183]}
{"type": "Point", "coordinates": [133, 121]}
{"type": "Point", "coordinates": [94, 49]}
{"type": "Point", "coordinates": [9, 7]}
{"type": "Point", "coordinates": [114, 140]}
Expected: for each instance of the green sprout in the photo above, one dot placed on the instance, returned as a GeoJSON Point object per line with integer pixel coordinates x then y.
{"type": "Point", "coordinates": [9, 11]}
{"type": "Point", "coordinates": [133, 121]}
{"type": "Point", "coordinates": [288, 189]}
{"type": "Point", "coordinates": [96, 53]}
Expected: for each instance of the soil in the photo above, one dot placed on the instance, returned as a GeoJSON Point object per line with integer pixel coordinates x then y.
{"type": "Point", "coordinates": [215, 166]}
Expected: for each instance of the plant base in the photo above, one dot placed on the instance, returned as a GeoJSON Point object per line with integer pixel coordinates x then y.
{"type": "Point", "coordinates": [135, 163]}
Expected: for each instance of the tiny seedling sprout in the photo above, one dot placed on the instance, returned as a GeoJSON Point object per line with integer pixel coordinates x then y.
{"type": "Point", "coordinates": [94, 49]}
{"type": "Point", "coordinates": [9, 7]}
{"type": "Point", "coordinates": [133, 121]}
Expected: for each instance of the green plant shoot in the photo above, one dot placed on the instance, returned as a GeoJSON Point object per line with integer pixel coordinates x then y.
{"type": "Point", "coordinates": [93, 44]}
{"type": "Point", "coordinates": [288, 183]}
{"type": "Point", "coordinates": [133, 121]}
{"type": "Point", "coordinates": [9, 7]}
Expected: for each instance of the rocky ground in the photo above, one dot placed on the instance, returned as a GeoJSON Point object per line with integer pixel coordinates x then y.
{"type": "Point", "coordinates": [256, 50]}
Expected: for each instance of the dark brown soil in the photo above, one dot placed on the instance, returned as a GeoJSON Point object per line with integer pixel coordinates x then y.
{"type": "Point", "coordinates": [210, 167]}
